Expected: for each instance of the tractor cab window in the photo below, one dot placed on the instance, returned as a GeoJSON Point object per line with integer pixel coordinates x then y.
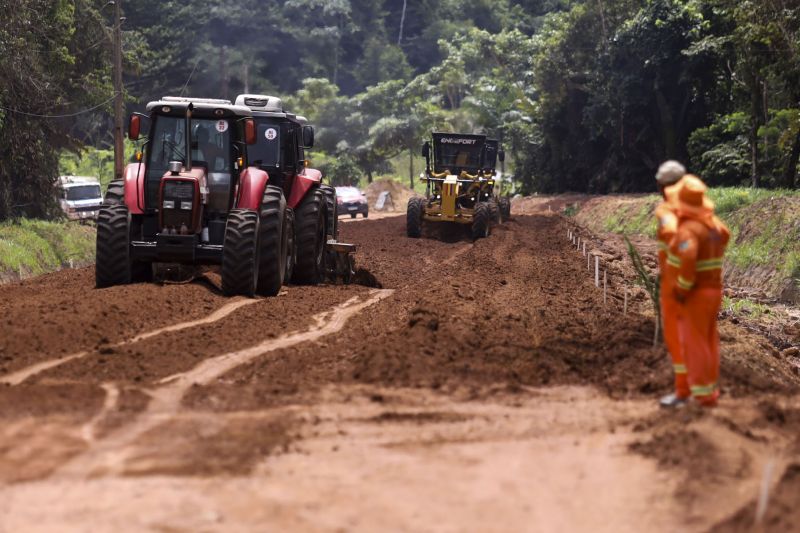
{"type": "Point", "coordinates": [210, 141]}
{"type": "Point", "coordinates": [210, 148]}
{"type": "Point", "coordinates": [298, 140]}
{"type": "Point", "coordinates": [289, 147]}
{"type": "Point", "coordinates": [267, 150]}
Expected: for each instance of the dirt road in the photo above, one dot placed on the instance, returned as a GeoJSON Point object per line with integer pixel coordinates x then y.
{"type": "Point", "coordinates": [480, 387]}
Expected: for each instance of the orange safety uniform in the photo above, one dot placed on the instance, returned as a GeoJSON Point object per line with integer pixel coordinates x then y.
{"type": "Point", "coordinates": [668, 274]}
{"type": "Point", "coordinates": [697, 251]}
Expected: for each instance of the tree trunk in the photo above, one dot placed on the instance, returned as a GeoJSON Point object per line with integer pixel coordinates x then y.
{"type": "Point", "coordinates": [369, 176]}
{"type": "Point", "coordinates": [668, 133]}
{"type": "Point", "coordinates": [790, 171]}
{"type": "Point", "coordinates": [411, 167]}
{"type": "Point", "coordinates": [755, 123]}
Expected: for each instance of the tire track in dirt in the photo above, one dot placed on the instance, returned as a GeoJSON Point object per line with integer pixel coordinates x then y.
{"type": "Point", "coordinates": [108, 456]}
{"type": "Point", "coordinates": [15, 378]}
{"type": "Point", "coordinates": [58, 314]}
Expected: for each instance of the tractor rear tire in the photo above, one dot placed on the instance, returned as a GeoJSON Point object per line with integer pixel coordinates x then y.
{"type": "Point", "coordinates": [414, 213]}
{"type": "Point", "coordinates": [310, 237]}
{"type": "Point", "coordinates": [113, 251]}
{"type": "Point", "coordinates": [272, 241]}
{"type": "Point", "coordinates": [115, 194]}
{"type": "Point", "coordinates": [332, 211]}
{"type": "Point", "coordinates": [505, 208]}
{"type": "Point", "coordinates": [481, 221]}
{"type": "Point", "coordinates": [291, 250]}
{"type": "Point", "coordinates": [240, 253]}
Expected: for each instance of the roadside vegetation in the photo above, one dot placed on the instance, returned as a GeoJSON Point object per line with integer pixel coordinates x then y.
{"type": "Point", "coordinates": [31, 247]}
{"type": "Point", "coordinates": [765, 231]}
{"type": "Point", "coordinates": [586, 95]}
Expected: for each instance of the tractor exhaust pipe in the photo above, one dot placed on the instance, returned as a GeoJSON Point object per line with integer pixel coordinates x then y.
{"type": "Point", "coordinates": [188, 136]}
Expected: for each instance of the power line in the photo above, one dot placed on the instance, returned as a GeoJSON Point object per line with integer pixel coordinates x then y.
{"type": "Point", "coordinates": [67, 115]}
{"type": "Point", "coordinates": [190, 76]}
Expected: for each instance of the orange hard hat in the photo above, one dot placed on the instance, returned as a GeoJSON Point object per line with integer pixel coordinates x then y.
{"type": "Point", "coordinates": [691, 198]}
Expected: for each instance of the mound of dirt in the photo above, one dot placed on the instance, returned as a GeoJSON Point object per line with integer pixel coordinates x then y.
{"type": "Point", "coordinates": [399, 192]}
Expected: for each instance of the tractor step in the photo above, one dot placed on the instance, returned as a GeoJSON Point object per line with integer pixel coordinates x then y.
{"type": "Point", "coordinates": [340, 262]}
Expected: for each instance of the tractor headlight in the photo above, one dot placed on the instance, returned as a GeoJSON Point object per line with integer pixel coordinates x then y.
{"type": "Point", "coordinates": [168, 204]}
{"type": "Point", "coordinates": [187, 206]}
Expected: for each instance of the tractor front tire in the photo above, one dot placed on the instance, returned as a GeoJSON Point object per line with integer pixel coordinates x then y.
{"type": "Point", "coordinates": [310, 237]}
{"type": "Point", "coordinates": [113, 251]}
{"type": "Point", "coordinates": [272, 241]}
{"type": "Point", "coordinates": [414, 213]}
{"type": "Point", "coordinates": [481, 221]}
{"type": "Point", "coordinates": [115, 194]}
{"type": "Point", "coordinates": [240, 253]}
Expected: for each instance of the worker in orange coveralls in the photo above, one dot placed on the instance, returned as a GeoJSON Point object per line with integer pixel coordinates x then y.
{"type": "Point", "coordinates": [697, 251]}
{"type": "Point", "coordinates": [670, 173]}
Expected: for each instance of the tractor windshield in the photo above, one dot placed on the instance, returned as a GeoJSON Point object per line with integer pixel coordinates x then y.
{"type": "Point", "coordinates": [210, 144]}
{"type": "Point", "coordinates": [267, 150]}
{"type": "Point", "coordinates": [457, 152]}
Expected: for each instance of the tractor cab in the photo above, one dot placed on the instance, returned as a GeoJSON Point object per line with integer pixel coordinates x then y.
{"type": "Point", "coordinates": [193, 158]}
{"type": "Point", "coordinates": [281, 141]}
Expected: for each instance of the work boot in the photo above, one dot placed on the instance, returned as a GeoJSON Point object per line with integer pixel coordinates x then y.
{"type": "Point", "coordinates": [672, 401]}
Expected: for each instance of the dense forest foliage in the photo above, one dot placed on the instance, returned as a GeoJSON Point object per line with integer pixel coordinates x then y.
{"type": "Point", "coordinates": [586, 95]}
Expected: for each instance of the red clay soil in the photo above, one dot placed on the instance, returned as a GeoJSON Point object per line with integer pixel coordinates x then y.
{"type": "Point", "coordinates": [62, 313]}
{"type": "Point", "coordinates": [488, 320]}
{"type": "Point", "coordinates": [517, 309]}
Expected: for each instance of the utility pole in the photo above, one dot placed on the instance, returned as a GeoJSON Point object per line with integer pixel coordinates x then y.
{"type": "Point", "coordinates": [119, 146]}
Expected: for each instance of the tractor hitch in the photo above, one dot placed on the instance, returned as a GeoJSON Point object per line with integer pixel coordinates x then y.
{"type": "Point", "coordinates": [340, 263]}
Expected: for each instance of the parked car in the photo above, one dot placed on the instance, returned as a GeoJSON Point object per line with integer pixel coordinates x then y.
{"type": "Point", "coordinates": [79, 197]}
{"type": "Point", "coordinates": [351, 202]}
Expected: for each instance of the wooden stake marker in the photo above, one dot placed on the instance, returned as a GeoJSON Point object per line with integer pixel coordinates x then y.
{"type": "Point", "coordinates": [605, 287]}
{"type": "Point", "coordinates": [625, 306]}
{"type": "Point", "coordinates": [596, 271]}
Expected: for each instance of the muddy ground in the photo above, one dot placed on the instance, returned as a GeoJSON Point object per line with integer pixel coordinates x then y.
{"type": "Point", "coordinates": [485, 386]}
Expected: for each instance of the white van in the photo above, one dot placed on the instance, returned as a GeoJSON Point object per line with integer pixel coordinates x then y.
{"type": "Point", "coordinates": [79, 197]}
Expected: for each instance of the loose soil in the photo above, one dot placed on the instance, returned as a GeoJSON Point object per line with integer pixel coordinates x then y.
{"type": "Point", "coordinates": [485, 385]}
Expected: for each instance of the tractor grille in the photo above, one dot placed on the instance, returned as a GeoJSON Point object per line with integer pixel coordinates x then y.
{"type": "Point", "coordinates": [178, 205]}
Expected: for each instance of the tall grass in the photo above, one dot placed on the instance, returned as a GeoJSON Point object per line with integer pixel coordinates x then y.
{"type": "Point", "coordinates": [38, 246]}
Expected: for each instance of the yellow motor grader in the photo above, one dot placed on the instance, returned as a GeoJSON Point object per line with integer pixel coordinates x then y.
{"type": "Point", "coordinates": [460, 178]}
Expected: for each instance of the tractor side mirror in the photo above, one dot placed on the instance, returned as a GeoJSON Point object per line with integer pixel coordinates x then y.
{"type": "Point", "coordinates": [426, 149]}
{"type": "Point", "coordinates": [308, 137]}
{"type": "Point", "coordinates": [134, 127]}
{"type": "Point", "coordinates": [501, 155]}
{"type": "Point", "coordinates": [250, 131]}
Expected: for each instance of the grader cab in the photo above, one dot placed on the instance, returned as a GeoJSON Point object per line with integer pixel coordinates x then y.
{"type": "Point", "coordinates": [460, 178]}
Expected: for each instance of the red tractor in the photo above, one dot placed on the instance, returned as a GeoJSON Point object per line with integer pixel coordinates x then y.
{"type": "Point", "coordinates": [193, 197]}
{"type": "Point", "coordinates": [279, 150]}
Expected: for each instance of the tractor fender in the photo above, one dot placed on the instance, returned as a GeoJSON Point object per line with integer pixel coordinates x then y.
{"type": "Point", "coordinates": [302, 184]}
{"type": "Point", "coordinates": [134, 187]}
{"type": "Point", "coordinates": [252, 183]}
